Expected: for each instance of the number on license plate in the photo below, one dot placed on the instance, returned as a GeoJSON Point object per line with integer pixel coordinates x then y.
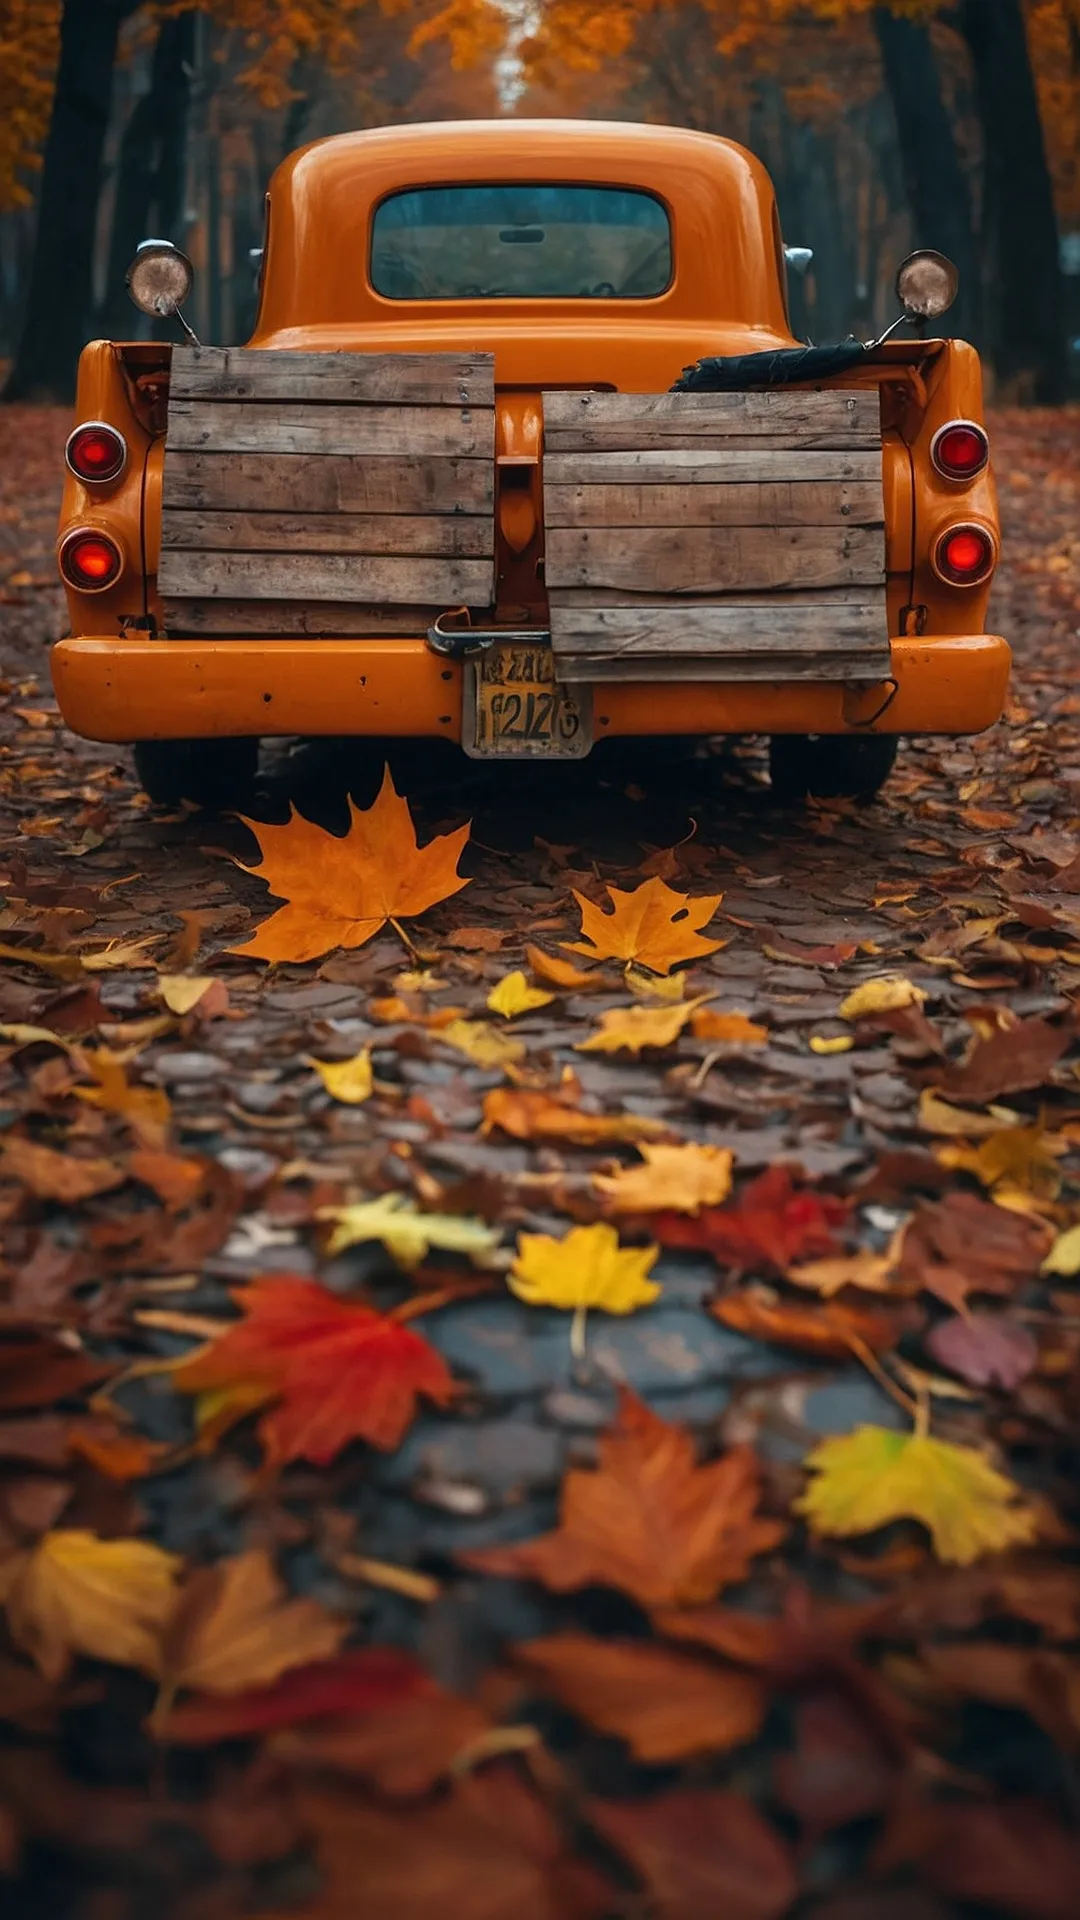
{"type": "Point", "coordinates": [519, 710]}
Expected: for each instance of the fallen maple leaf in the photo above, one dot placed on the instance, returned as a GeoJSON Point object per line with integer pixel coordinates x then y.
{"type": "Point", "coordinates": [1008, 1061]}
{"type": "Point", "coordinates": [36, 1371]}
{"type": "Point", "coordinates": [562, 973]}
{"type": "Point", "coordinates": [889, 990]}
{"type": "Point", "coordinates": [233, 1627]}
{"type": "Point", "coordinates": [869, 1478]}
{"type": "Point", "coordinates": [665, 1705]}
{"type": "Point", "coordinates": [779, 947]}
{"type": "Point", "coordinates": [870, 1272]}
{"type": "Point", "coordinates": [654, 925]}
{"type": "Point", "coordinates": [961, 1245]}
{"type": "Point", "coordinates": [339, 1372]}
{"type": "Point", "coordinates": [362, 1680]}
{"type": "Point", "coordinates": [528, 1115]}
{"type": "Point", "coordinates": [586, 1268]}
{"type": "Point", "coordinates": [829, 1331]}
{"type": "Point", "coordinates": [482, 1043]}
{"type": "Point", "coordinates": [146, 1110]}
{"type": "Point", "coordinates": [703, 1854]}
{"type": "Point", "coordinates": [512, 995]}
{"type": "Point", "coordinates": [75, 1593]}
{"type": "Point", "coordinates": [1014, 1163]}
{"type": "Point", "coordinates": [769, 1227]}
{"type": "Point", "coordinates": [986, 1349]}
{"type": "Point", "coordinates": [50, 1175]}
{"type": "Point", "coordinates": [635, 1027]}
{"type": "Point", "coordinates": [349, 1081]}
{"type": "Point", "coordinates": [402, 1750]}
{"type": "Point", "coordinates": [340, 891]}
{"type": "Point", "coordinates": [682, 1179]}
{"type": "Point", "coordinates": [1064, 1255]}
{"type": "Point", "coordinates": [649, 1521]}
{"type": "Point", "coordinates": [172, 1176]}
{"type": "Point", "coordinates": [727, 1029]}
{"type": "Point", "coordinates": [182, 992]}
{"type": "Point", "coordinates": [408, 1233]}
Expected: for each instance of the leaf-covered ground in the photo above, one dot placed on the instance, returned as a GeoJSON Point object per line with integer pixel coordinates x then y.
{"type": "Point", "coordinates": [572, 1415]}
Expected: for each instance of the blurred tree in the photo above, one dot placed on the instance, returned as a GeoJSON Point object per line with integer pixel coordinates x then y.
{"type": "Point", "coordinates": [29, 43]}
{"type": "Point", "coordinates": [150, 169]}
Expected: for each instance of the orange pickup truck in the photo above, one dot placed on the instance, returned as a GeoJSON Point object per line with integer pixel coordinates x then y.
{"type": "Point", "coordinates": [524, 454]}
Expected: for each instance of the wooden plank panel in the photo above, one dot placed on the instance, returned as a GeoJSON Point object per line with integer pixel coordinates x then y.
{"type": "Point", "coordinates": [767, 597]}
{"type": "Point", "coordinates": [867, 667]}
{"type": "Point", "coordinates": [400, 379]}
{"type": "Point", "coordinates": [740, 625]}
{"type": "Point", "coordinates": [285, 619]}
{"type": "Point", "coordinates": [281, 427]}
{"type": "Point", "coordinates": [300, 576]}
{"type": "Point", "coordinates": [337, 483]}
{"type": "Point", "coordinates": [774, 503]}
{"type": "Point", "coordinates": [677, 466]}
{"type": "Point", "coordinates": [832, 416]}
{"type": "Point", "coordinates": [707, 559]}
{"type": "Point", "coordinates": [456, 535]}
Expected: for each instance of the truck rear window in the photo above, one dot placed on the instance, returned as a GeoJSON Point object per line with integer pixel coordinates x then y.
{"type": "Point", "coordinates": [520, 242]}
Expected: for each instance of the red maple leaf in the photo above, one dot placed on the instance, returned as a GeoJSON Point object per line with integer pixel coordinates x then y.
{"type": "Point", "coordinates": [771, 1225]}
{"type": "Point", "coordinates": [338, 1371]}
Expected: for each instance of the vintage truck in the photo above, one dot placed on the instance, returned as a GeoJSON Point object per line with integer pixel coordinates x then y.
{"type": "Point", "coordinates": [524, 454]}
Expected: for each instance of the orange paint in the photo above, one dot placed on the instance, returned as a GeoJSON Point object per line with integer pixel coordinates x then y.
{"type": "Point", "coordinates": [118, 681]}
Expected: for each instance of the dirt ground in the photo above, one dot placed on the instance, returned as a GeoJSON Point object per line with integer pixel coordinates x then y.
{"type": "Point", "coordinates": [957, 879]}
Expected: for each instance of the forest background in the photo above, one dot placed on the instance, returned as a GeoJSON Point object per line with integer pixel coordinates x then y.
{"type": "Point", "coordinates": [884, 127]}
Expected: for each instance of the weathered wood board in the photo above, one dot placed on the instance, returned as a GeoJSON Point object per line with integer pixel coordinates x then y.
{"type": "Point", "coordinates": [729, 536]}
{"type": "Point", "coordinates": [315, 481]}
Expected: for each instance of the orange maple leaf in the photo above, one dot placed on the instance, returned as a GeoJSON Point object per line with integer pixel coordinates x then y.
{"type": "Point", "coordinates": [338, 1371]}
{"type": "Point", "coordinates": [340, 891]}
{"type": "Point", "coordinates": [650, 1521]}
{"type": "Point", "coordinates": [654, 926]}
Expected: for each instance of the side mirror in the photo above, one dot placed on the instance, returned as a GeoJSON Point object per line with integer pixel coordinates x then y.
{"type": "Point", "coordinates": [159, 280]}
{"type": "Point", "coordinates": [926, 285]}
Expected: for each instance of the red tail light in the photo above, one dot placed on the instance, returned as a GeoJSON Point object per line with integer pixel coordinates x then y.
{"type": "Point", "coordinates": [961, 450]}
{"type": "Point", "coordinates": [96, 451]}
{"type": "Point", "coordinates": [90, 561]}
{"type": "Point", "coordinates": [965, 556]}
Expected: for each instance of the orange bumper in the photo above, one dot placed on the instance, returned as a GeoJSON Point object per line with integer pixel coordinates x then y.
{"type": "Point", "coordinates": [138, 688]}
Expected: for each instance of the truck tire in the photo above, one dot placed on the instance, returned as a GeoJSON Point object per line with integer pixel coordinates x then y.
{"type": "Point", "coordinates": [830, 766]}
{"type": "Point", "coordinates": [213, 773]}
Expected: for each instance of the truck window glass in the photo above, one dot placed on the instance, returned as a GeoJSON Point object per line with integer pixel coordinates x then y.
{"type": "Point", "coordinates": [521, 242]}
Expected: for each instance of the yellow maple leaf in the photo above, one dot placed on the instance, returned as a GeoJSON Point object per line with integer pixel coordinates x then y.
{"type": "Point", "coordinates": [869, 1478]}
{"type": "Point", "coordinates": [940, 1116]}
{"type": "Point", "coordinates": [183, 991]}
{"type": "Point", "coordinates": [654, 925]}
{"type": "Point", "coordinates": [586, 1268]}
{"type": "Point", "coordinates": [235, 1627]}
{"type": "Point", "coordinates": [886, 994]}
{"type": "Point", "coordinates": [340, 891]}
{"type": "Point", "coordinates": [513, 994]}
{"type": "Point", "coordinates": [406, 1231]}
{"type": "Point", "coordinates": [728, 1029]}
{"type": "Point", "coordinates": [1013, 1160]}
{"type": "Point", "coordinates": [482, 1043]}
{"type": "Point", "coordinates": [869, 1271]}
{"type": "Point", "coordinates": [349, 1081]}
{"type": "Point", "coordinates": [74, 1593]}
{"type": "Point", "coordinates": [637, 1027]}
{"type": "Point", "coordinates": [1064, 1255]}
{"type": "Point", "coordinates": [668, 987]}
{"type": "Point", "coordinates": [681, 1179]}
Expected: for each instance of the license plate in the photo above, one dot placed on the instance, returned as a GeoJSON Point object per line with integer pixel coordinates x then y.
{"type": "Point", "coordinates": [515, 709]}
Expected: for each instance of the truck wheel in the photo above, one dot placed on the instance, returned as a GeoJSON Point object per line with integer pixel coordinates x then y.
{"type": "Point", "coordinates": [829, 766]}
{"type": "Point", "coordinates": [212, 773]}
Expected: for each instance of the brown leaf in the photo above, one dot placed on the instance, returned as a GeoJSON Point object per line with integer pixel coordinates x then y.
{"type": "Point", "coordinates": [50, 1175]}
{"type": "Point", "coordinates": [362, 1680]}
{"type": "Point", "coordinates": [962, 1244]}
{"type": "Point", "coordinates": [234, 1628]}
{"type": "Point", "coordinates": [36, 1372]}
{"type": "Point", "coordinates": [840, 1769]}
{"type": "Point", "coordinates": [1014, 1856]}
{"type": "Point", "coordinates": [1008, 1061]}
{"type": "Point", "coordinates": [663, 1704]}
{"type": "Point", "coordinates": [826, 1330]}
{"type": "Point", "coordinates": [401, 1751]}
{"type": "Point", "coordinates": [650, 1521]}
{"type": "Point", "coordinates": [703, 1854]}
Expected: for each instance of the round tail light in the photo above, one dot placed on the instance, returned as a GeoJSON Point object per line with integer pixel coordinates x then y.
{"type": "Point", "coordinates": [960, 450]}
{"type": "Point", "coordinates": [964, 556]}
{"type": "Point", "coordinates": [96, 451]}
{"type": "Point", "coordinates": [90, 561]}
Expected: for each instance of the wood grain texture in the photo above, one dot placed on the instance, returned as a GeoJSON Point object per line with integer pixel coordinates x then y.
{"type": "Point", "coordinates": [741, 640]}
{"type": "Point", "coordinates": [271, 426]}
{"type": "Point", "coordinates": [714, 559]}
{"type": "Point", "coordinates": [833, 417]}
{"type": "Point", "coordinates": [402, 379]}
{"type": "Point", "coordinates": [292, 619]}
{"type": "Point", "coordinates": [697, 466]}
{"type": "Point", "coordinates": [775, 503]}
{"type": "Point", "coordinates": [324, 576]}
{"type": "Point", "coordinates": [341, 483]}
{"type": "Point", "coordinates": [864, 668]}
{"type": "Point", "coordinates": [454, 535]}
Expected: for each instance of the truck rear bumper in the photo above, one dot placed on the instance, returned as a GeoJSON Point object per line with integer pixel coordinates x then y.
{"type": "Point", "coordinates": [138, 688]}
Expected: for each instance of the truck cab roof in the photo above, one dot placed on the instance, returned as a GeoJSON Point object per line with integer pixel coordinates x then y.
{"type": "Point", "coordinates": [577, 251]}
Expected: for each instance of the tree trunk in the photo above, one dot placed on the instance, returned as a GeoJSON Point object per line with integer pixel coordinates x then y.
{"type": "Point", "coordinates": [150, 173]}
{"type": "Point", "coordinates": [60, 296]}
{"type": "Point", "coordinates": [1027, 318]}
{"type": "Point", "coordinates": [937, 189]}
